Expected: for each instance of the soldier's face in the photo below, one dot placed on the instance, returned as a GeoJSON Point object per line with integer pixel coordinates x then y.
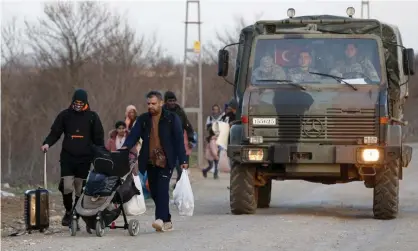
{"type": "Point", "coordinates": [267, 64]}
{"type": "Point", "coordinates": [350, 51]}
{"type": "Point", "coordinates": [305, 59]}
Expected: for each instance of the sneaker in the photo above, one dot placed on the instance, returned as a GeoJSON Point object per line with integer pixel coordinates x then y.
{"type": "Point", "coordinates": [158, 225]}
{"type": "Point", "coordinates": [215, 176]}
{"type": "Point", "coordinates": [168, 226]}
{"type": "Point", "coordinates": [66, 220]}
{"type": "Point", "coordinates": [205, 174]}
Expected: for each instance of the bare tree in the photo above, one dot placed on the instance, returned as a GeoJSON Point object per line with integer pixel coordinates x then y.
{"type": "Point", "coordinates": [11, 53]}
{"type": "Point", "coordinates": [69, 34]}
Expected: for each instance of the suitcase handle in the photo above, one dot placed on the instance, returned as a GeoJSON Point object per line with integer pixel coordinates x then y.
{"type": "Point", "coordinates": [45, 181]}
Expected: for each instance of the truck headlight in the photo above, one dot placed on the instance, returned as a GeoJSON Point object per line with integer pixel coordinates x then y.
{"type": "Point", "coordinates": [370, 140]}
{"type": "Point", "coordinates": [370, 155]}
{"type": "Point", "coordinates": [256, 140]}
{"type": "Point", "coordinates": [255, 154]}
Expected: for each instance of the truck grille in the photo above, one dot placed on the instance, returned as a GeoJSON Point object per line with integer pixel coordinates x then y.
{"type": "Point", "coordinates": [332, 127]}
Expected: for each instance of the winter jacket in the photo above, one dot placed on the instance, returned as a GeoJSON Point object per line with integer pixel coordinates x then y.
{"type": "Point", "coordinates": [81, 130]}
{"type": "Point", "coordinates": [211, 150]}
{"type": "Point", "coordinates": [184, 121]}
{"type": "Point", "coordinates": [111, 143]}
{"type": "Point", "coordinates": [170, 134]}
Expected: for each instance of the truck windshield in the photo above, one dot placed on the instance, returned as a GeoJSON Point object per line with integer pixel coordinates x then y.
{"type": "Point", "coordinates": [356, 61]}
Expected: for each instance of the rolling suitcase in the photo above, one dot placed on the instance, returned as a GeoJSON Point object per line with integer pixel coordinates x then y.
{"type": "Point", "coordinates": [37, 207]}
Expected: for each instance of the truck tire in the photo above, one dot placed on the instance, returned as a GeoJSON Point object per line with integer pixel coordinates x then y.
{"type": "Point", "coordinates": [386, 191]}
{"type": "Point", "coordinates": [242, 189]}
{"type": "Point", "coordinates": [264, 195]}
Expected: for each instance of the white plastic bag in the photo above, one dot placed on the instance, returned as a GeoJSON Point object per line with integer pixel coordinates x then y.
{"type": "Point", "coordinates": [136, 205]}
{"type": "Point", "coordinates": [183, 195]}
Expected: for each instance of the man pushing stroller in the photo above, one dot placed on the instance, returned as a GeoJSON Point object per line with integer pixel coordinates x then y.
{"type": "Point", "coordinates": [82, 128]}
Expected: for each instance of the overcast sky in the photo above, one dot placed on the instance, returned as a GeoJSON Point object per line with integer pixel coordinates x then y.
{"type": "Point", "coordinates": [165, 18]}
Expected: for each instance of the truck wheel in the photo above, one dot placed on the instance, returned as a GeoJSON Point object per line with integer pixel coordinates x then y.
{"type": "Point", "coordinates": [242, 189]}
{"type": "Point", "coordinates": [386, 191]}
{"type": "Point", "coordinates": [264, 195]}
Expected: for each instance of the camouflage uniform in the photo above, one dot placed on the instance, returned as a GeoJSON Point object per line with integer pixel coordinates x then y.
{"type": "Point", "coordinates": [298, 74]}
{"type": "Point", "coordinates": [268, 70]}
{"type": "Point", "coordinates": [363, 66]}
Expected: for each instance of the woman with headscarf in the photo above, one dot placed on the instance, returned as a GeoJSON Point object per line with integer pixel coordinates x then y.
{"type": "Point", "coordinates": [131, 114]}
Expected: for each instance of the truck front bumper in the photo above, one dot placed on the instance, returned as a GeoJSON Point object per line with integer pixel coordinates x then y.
{"type": "Point", "coordinates": [313, 154]}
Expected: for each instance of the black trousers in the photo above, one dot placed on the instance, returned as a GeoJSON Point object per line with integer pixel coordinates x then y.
{"type": "Point", "coordinates": [159, 184]}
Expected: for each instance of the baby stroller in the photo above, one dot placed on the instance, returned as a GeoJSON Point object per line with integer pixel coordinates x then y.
{"type": "Point", "coordinates": [109, 185]}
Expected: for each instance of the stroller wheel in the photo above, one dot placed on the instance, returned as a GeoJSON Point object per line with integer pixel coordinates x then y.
{"type": "Point", "coordinates": [133, 228]}
{"type": "Point", "coordinates": [73, 227]}
{"type": "Point", "coordinates": [100, 230]}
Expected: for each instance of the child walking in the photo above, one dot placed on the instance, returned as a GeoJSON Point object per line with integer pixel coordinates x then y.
{"type": "Point", "coordinates": [211, 154]}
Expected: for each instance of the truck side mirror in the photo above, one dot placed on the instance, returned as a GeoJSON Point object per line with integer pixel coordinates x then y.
{"type": "Point", "coordinates": [408, 61]}
{"type": "Point", "coordinates": [223, 63]}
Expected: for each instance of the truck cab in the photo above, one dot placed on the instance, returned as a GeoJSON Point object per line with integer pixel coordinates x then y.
{"type": "Point", "coordinates": [321, 99]}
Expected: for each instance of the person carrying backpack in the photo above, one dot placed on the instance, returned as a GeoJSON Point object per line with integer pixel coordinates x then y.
{"type": "Point", "coordinates": [82, 129]}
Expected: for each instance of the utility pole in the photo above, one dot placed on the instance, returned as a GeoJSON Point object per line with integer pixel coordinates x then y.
{"type": "Point", "coordinates": [195, 50]}
{"type": "Point", "coordinates": [365, 4]}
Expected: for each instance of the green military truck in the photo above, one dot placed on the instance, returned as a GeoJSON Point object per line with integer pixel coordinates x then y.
{"type": "Point", "coordinates": [321, 99]}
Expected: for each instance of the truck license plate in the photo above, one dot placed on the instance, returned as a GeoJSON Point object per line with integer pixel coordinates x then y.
{"type": "Point", "coordinates": [264, 121]}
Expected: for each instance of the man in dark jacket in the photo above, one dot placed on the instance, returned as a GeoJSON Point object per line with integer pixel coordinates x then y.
{"type": "Point", "coordinates": [230, 113]}
{"type": "Point", "coordinates": [81, 128]}
{"type": "Point", "coordinates": [162, 145]}
{"type": "Point", "coordinates": [170, 103]}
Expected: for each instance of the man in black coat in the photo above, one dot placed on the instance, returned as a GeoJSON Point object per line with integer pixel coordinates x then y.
{"type": "Point", "coordinates": [162, 145]}
{"type": "Point", "coordinates": [170, 103]}
{"type": "Point", "coordinates": [82, 129]}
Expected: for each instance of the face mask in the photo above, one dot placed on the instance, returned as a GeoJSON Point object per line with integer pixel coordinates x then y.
{"type": "Point", "coordinates": [78, 106]}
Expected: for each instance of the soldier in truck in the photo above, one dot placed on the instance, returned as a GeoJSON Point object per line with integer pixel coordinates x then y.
{"type": "Point", "coordinates": [268, 70]}
{"type": "Point", "coordinates": [301, 73]}
{"type": "Point", "coordinates": [355, 66]}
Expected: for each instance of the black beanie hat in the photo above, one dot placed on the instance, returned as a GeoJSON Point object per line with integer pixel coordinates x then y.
{"type": "Point", "coordinates": [233, 103]}
{"type": "Point", "coordinates": [80, 95]}
{"type": "Point", "coordinates": [169, 95]}
{"type": "Point", "coordinates": [120, 123]}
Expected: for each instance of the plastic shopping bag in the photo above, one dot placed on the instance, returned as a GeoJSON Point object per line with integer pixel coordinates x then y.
{"type": "Point", "coordinates": [183, 195]}
{"type": "Point", "coordinates": [136, 205]}
{"type": "Point", "coordinates": [224, 165]}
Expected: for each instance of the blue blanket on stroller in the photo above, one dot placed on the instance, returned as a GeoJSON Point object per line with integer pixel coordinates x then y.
{"type": "Point", "coordinates": [100, 185]}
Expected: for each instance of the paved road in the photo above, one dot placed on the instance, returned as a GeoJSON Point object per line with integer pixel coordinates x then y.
{"type": "Point", "coordinates": [303, 216]}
